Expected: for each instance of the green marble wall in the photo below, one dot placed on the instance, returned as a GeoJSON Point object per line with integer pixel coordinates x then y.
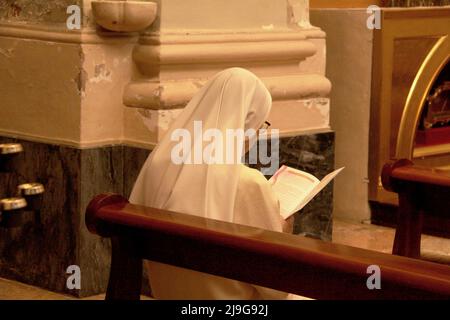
{"type": "Point", "coordinates": [39, 254]}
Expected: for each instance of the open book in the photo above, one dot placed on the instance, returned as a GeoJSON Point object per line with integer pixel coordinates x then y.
{"type": "Point", "coordinates": [295, 188]}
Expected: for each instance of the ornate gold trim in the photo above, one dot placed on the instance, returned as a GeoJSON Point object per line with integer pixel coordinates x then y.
{"type": "Point", "coordinates": [344, 3]}
{"type": "Point", "coordinates": [431, 150]}
{"type": "Point", "coordinates": [416, 12]}
{"type": "Point", "coordinates": [396, 24]}
{"type": "Point", "coordinates": [435, 61]}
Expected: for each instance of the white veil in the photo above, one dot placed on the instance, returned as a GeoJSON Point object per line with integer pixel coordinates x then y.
{"type": "Point", "coordinates": [233, 99]}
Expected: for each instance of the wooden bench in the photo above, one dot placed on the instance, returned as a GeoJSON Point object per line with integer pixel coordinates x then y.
{"type": "Point", "coordinates": [422, 191]}
{"type": "Point", "coordinates": [295, 264]}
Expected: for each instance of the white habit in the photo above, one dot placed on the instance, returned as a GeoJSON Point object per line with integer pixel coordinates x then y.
{"type": "Point", "coordinates": [233, 99]}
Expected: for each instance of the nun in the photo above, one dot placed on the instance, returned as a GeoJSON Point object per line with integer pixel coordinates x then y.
{"type": "Point", "coordinates": [233, 99]}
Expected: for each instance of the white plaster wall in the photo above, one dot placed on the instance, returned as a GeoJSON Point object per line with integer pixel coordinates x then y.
{"type": "Point", "coordinates": [40, 90]}
{"type": "Point", "coordinates": [349, 68]}
{"type": "Point", "coordinates": [180, 22]}
{"type": "Point", "coordinates": [144, 127]}
{"type": "Point", "coordinates": [107, 68]}
{"type": "Point", "coordinates": [222, 14]}
{"type": "Point", "coordinates": [64, 93]}
{"type": "Point", "coordinates": [301, 116]}
{"type": "Point", "coordinates": [67, 87]}
{"type": "Point", "coordinates": [317, 63]}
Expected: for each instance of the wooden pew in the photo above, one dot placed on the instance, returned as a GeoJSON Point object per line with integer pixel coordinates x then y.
{"type": "Point", "coordinates": [295, 264]}
{"type": "Point", "coordinates": [422, 191]}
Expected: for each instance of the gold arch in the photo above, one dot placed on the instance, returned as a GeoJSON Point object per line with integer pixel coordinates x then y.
{"type": "Point", "coordinates": [433, 64]}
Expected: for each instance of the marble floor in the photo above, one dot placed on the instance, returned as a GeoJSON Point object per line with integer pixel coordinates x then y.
{"type": "Point", "coordinates": [13, 290]}
{"type": "Point", "coordinates": [344, 232]}
{"type": "Point", "coordinates": [381, 239]}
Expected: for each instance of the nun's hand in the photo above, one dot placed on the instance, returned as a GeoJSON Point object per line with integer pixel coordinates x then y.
{"type": "Point", "coordinates": [288, 225]}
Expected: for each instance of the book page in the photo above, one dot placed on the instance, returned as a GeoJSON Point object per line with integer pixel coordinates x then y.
{"type": "Point", "coordinates": [292, 186]}
{"type": "Point", "coordinates": [317, 188]}
{"type": "Point", "coordinates": [295, 188]}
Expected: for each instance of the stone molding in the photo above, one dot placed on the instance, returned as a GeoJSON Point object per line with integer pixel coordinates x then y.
{"type": "Point", "coordinates": [156, 53]}
{"type": "Point", "coordinates": [159, 95]}
{"type": "Point", "coordinates": [59, 33]}
{"type": "Point", "coordinates": [169, 67]}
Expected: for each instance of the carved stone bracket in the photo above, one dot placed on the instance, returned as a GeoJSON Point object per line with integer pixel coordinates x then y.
{"type": "Point", "coordinates": [124, 16]}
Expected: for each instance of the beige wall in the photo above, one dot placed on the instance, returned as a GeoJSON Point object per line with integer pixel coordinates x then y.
{"type": "Point", "coordinates": [61, 86]}
{"type": "Point", "coordinates": [40, 89]}
{"type": "Point", "coordinates": [67, 87]}
{"type": "Point", "coordinates": [346, 3]}
{"type": "Point", "coordinates": [222, 14]}
{"type": "Point", "coordinates": [36, 11]}
{"type": "Point", "coordinates": [107, 68]}
{"type": "Point", "coordinates": [349, 67]}
{"type": "Point", "coordinates": [254, 34]}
